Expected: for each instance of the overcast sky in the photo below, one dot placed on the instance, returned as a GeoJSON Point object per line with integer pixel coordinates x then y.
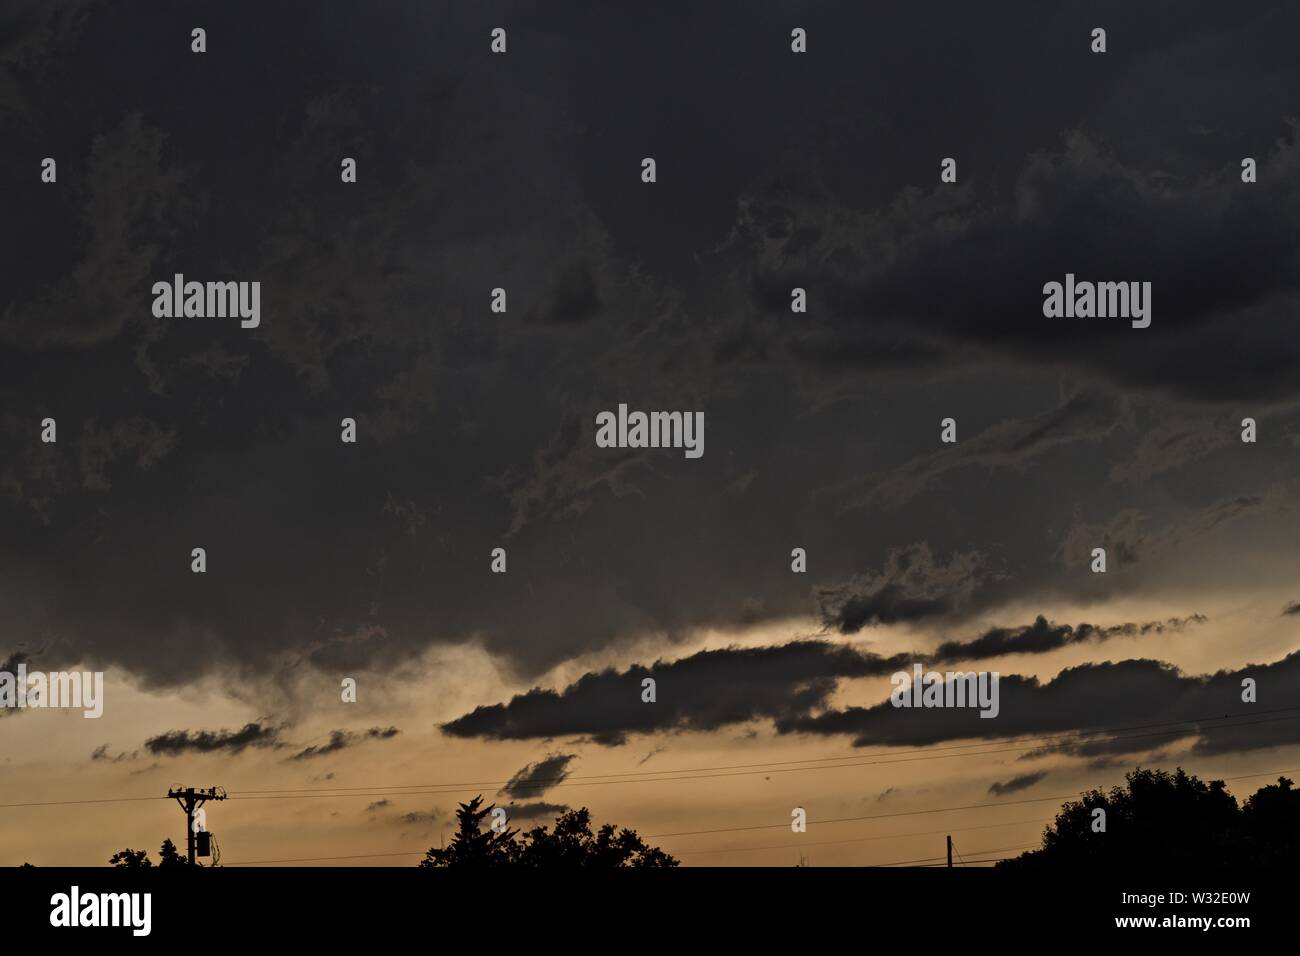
{"type": "Point", "coordinates": [476, 429]}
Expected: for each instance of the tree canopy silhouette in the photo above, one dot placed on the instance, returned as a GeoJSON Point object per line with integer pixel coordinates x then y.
{"type": "Point", "coordinates": [129, 859]}
{"type": "Point", "coordinates": [571, 844]}
{"type": "Point", "coordinates": [1170, 820]}
{"type": "Point", "coordinates": [168, 857]}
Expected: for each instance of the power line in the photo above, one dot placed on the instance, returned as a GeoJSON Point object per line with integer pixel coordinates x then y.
{"type": "Point", "coordinates": [315, 859]}
{"type": "Point", "coordinates": [65, 803]}
{"type": "Point", "coordinates": [1266, 773]}
{"type": "Point", "coordinates": [703, 773]}
{"type": "Point", "coordinates": [908, 813]}
{"type": "Point", "coordinates": [880, 836]}
{"type": "Point", "coordinates": [963, 862]}
{"type": "Point", "coordinates": [994, 859]}
{"type": "Point", "coordinates": [873, 816]}
{"type": "Point", "coordinates": [364, 856]}
{"type": "Point", "coordinates": [381, 790]}
{"type": "Point", "coordinates": [707, 774]}
{"type": "Point", "coordinates": [927, 859]}
{"type": "Point", "coordinates": [655, 776]}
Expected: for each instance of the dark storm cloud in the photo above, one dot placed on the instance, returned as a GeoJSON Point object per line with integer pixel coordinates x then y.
{"type": "Point", "coordinates": [1172, 444]}
{"type": "Point", "coordinates": [862, 350]}
{"type": "Point", "coordinates": [1127, 542]}
{"type": "Point", "coordinates": [31, 35]}
{"type": "Point", "coordinates": [133, 200]}
{"type": "Point", "coordinates": [1087, 416]}
{"type": "Point", "coordinates": [1043, 636]}
{"type": "Point", "coordinates": [138, 438]}
{"type": "Point", "coordinates": [999, 247]}
{"type": "Point", "coordinates": [705, 691]}
{"type": "Point", "coordinates": [1100, 748]}
{"type": "Point", "coordinates": [420, 816]}
{"type": "Point", "coordinates": [1016, 784]}
{"type": "Point", "coordinates": [176, 742]}
{"type": "Point", "coordinates": [101, 753]}
{"type": "Point", "coordinates": [574, 297]}
{"type": "Point", "coordinates": [911, 586]}
{"type": "Point", "coordinates": [536, 810]}
{"type": "Point", "coordinates": [339, 739]}
{"type": "Point", "coordinates": [10, 664]}
{"type": "Point", "coordinates": [342, 739]}
{"type": "Point", "coordinates": [713, 689]}
{"type": "Point", "coordinates": [476, 428]}
{"type": "Point", "coordinates": [1090, 697]}
{"type": "Point", "coordinates": [536, 778]}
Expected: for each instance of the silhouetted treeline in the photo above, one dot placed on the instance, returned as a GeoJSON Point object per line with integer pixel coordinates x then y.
{"type": "Point", "coordinates": [570, 844]}
{"type": "Point", "coordinates": [168, 856]}
{"type": "Point", "coordinates": [1171, 820]}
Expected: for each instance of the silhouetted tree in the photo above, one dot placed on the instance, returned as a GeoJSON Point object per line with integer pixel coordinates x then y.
{"type": "Point", "coordinates": [169, 856]}
{"type": "Point", "coordinates": [1271, 824]}
{"type": "Point", "coordinates": [1170, 820]}
{"type": "Point", "coordinates": [571, 844]}
{"type": "Point", "coordinates": [472, 846]}
{"type": "Point", "coordinates": [129, 859]}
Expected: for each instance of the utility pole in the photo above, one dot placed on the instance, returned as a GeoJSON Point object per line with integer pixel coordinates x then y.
{"type": "Point", "coordinates": [190, 800]}
{"type": "Point", "coordinates": [950, 850]}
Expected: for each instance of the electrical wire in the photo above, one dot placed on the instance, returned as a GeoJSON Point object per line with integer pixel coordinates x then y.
{"type": "Point", "coordinates": [699, 773]}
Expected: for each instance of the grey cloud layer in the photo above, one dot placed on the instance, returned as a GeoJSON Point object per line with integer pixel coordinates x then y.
{"type": "Point", "coordinates": [705, 691]}
{"type": "Point", "coordinates": [342, 739]}
{"type": "Point", "coordinates": [1016, 784]}
{"type": "Point", "coordinates": [1043, 636]}
{"type": "Point", "coordinates": [176, 742]}
{"type": "Point", "coordinates": [476, 428]}
{"type": "Point", "coordinates": [536, 778]}
{"type": "Point", "coordinates": [790, 686]}
{"type": "Point", "coordinates": [1093, 697]}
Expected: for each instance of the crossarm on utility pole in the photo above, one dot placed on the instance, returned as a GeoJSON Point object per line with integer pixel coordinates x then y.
{"type": "Point", "coordinates": [190, 799]}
